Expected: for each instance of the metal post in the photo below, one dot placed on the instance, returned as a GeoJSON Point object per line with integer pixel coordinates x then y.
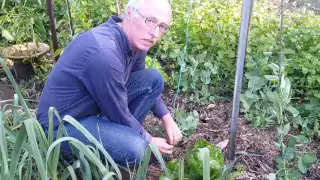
{"type": "Point", "coordinates": [70, 18]}
{"type": "Point", "coordinates": [52, 26]}
{"type": "Point", "coordinates": [242, 46]}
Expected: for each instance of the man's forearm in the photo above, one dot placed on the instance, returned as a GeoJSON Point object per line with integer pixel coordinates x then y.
{"type": "Point", "coordinates": [159, 109]}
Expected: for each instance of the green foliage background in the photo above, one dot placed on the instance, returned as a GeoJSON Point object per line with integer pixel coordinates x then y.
{"type": "Point", "coordinates": [209, 70]}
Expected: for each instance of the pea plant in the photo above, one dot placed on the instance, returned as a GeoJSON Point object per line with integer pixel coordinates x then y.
{"type": "Point", "coordinates": [291, 155]}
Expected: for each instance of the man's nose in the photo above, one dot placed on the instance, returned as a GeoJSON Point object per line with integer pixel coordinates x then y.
{"type": "Point", "coordinates": [155, 31]}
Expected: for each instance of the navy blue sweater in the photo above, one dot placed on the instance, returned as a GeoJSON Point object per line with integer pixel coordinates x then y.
{"type": "Point", "coordinates": [90, 76]}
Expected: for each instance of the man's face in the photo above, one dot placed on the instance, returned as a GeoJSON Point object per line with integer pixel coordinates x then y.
{"type": "Point", "coordinates": [148, 24]}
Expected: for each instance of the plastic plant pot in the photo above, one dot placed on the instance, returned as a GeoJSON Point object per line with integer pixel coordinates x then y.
{"type": "Point", "coordinates": [23, 55]}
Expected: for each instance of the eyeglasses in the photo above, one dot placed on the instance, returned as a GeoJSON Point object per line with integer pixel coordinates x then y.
{"type": "Point", "coordinates": [151, 22]}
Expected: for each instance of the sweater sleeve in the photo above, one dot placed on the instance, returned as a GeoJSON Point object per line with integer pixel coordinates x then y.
{"type": "Point", "coordinates": [104, 79]}
{"type": "Point", "coordinates": [159, 109]}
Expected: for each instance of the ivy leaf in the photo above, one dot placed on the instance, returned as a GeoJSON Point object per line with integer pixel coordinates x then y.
{"type": "Point", "coordinates": [309, 158]}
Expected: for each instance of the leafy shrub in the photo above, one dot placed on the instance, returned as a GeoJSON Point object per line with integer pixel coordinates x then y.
{"type": "Point", "coordinates": [23, 22]}
{"type": "Point", "coordinates": [211, 51]}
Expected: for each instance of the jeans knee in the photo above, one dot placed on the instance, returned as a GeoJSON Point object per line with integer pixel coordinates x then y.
{"type": "Point", "coordinates": [136, 151]}
{"type": "Point", "coordinates": [157, 79]}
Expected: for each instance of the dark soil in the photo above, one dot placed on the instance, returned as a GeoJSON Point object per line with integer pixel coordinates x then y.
{"type": "Point", "coordinates": [6, 94]}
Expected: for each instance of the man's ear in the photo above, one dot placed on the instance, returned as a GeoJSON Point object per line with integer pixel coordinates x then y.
{"type": "Point", "coordinates": [128, 12]}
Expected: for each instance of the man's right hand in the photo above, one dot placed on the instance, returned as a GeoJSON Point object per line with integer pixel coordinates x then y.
{"type": "Point", "coordinates": [162, 145]}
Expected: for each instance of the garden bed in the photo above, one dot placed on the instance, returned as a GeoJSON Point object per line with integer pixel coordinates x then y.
{"type": "Point", "coordinates": [214, 126]}
{"type": "Point", "coordinates": [256, 150]}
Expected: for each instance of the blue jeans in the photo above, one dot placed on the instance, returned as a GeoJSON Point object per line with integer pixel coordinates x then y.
{"type": "Point", "coordinates": [124, 144]}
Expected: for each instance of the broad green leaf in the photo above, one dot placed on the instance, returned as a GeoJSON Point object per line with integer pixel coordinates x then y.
{"type": "Point", "coordinates": [317, 94]}
{"type": "Point", "coordinates": [293, 111]}
{"type": "Point", "coordinates": [267, 53]}
{"type": "Point", "coordinates": [6, 34]}
{"type": "Point", "coordinates": [289, 153]}
{"type": "Point", "coordinates": [309, 158]}
{"type": "Point", "coordinates": [293, 174]}
{"type": "Point", "coordinates": [273, 96]}
{"type": "Point", "coordinates": [305, 70]}
{"type": "Point", "coordinates": [302, 167]}
{"type": "Point", "coordinates": [274, 67]}
{"type": "Point", "coordinates": [292, 142]}
{"type": "Point", "coordinates": [286, 88]}
{"type": "Point", "coordinates": [286, 128]}
{"type": "Point", "coordinates": [302, 139]}
{"type": "Point", "coordinates": [244, 102]}
{"type": "Point", "coordinates": [272, 78]}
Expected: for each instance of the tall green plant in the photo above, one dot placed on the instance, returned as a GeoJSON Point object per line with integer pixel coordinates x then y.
{"type": "Point", "coordinates": [24, 21]}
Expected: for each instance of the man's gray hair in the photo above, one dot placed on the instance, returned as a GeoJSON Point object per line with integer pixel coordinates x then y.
{"type": "Point", "coordinates": [133, 5]}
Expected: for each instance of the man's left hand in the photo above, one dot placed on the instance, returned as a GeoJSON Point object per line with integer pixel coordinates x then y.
{"type": "Point", "coordinates": [172, 130]}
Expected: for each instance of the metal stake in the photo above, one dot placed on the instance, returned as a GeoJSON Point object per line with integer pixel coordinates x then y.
{"type": "Point", "coordinates": [70, 18]}
{"type": "Point", "coordinates": [52, 26]}
{"type": "Point", "coordinates": [242, 46]}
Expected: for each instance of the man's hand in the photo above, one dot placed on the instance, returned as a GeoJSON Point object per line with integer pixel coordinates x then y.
{"type": "Point", "coordinates": [172, 130]}
{"type": "Point", "coordinates": [162, 145]}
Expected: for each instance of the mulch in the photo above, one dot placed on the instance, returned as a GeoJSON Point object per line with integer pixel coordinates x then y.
{"type": "Point", "coordinates": [214, 126]}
